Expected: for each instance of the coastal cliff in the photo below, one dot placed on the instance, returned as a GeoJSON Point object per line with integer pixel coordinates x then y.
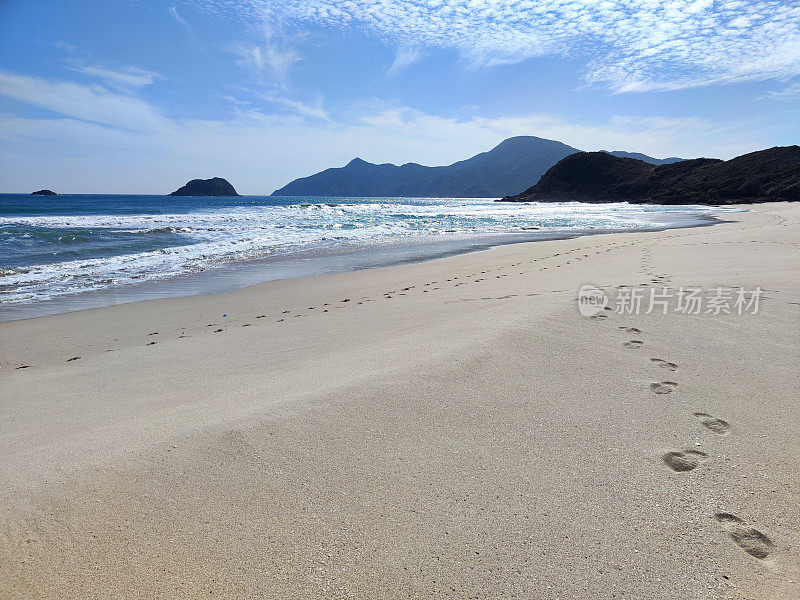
{"type": "Point", "coordinates": [766, 175]}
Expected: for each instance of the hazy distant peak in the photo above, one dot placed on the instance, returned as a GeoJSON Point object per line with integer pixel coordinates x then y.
{"type": "Point", "coordinates": [648, 159]}
{"type": "Point", "coordinates": [513, 164]}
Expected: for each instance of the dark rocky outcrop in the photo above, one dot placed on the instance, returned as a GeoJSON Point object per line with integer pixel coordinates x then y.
{"type": "Point", "coordinates": [216, 186]}
{"type": "Point", "coordinates": [766, 175]}
{"type": "Point", "coordinates": [514, 164]}
{"type": "Point", "coordinates": [44, 193]}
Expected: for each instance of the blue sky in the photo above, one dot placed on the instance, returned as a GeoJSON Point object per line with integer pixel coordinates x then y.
{"type": "Point", "coordinates": [140, 96]}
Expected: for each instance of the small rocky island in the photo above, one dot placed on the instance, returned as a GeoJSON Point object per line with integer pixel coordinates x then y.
{"type": "Point", "coordinates": [765, 176]}
{"type": "Point", "coordinates": [216, 186]}
{"type": "Point", "coordinates": [44, 193]}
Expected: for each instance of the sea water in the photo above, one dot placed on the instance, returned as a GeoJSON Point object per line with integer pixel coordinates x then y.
{"type": "Point", "coordinates": [56, 250]}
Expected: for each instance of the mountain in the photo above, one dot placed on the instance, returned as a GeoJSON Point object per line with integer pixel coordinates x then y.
{"type": "Point", "coordinates": [514, 164]}
{"type": "Point", "coordinates": [766, 175]}
{"type": "Point", "coordinates": [216, 186]}
{"type": "Point", "coordinates": [644, 157]}
{"type": "Point", "coordinates": [44, 193]}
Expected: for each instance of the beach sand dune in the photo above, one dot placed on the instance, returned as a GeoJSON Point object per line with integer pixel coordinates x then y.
{"type": "Point", "coordinates": [449, 429]}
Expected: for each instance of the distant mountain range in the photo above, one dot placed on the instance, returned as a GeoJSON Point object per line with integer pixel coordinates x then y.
{"type": "Point", "coordinates": [514, 164]}
{"type": "Point", "coordinates": [766, 175]}
{"type": "Point", "coordinates": [644, 157]}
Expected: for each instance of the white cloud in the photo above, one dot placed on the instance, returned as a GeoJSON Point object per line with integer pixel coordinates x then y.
{"type": "Point", "coordinates": [629, 45]}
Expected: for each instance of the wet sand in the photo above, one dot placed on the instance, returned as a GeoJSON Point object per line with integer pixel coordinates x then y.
{"type": "Point", "coordinates": [448, 429]}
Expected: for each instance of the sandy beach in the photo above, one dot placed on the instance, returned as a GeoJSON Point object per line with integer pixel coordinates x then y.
{"type": "Point", "coordinates": [448, 429]}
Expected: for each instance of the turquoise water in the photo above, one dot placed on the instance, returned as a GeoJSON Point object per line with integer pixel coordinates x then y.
{"type": "Point", "coordinates": [58, 246]}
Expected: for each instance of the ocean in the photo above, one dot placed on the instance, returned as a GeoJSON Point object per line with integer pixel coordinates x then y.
{"type": "Point", "coordinates": [68, 252]}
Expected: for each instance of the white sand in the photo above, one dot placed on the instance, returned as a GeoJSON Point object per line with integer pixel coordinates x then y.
{"type": "Point", "coordinates": [469, 439]}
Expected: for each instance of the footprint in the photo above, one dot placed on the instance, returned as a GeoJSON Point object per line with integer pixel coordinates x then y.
{"type": "Point", "coordinates": [716, 425]}
{"type": "Point", "coordinates": [683, 461]}
{"type": "Point", "coordinates": [633, 344]}
{"type": "Point", "coordinates": [665, 364]}
{"type": "Point", "coordinates": [631, 329]}
{"type": "Point", "coordinates": [663, 387]}
{"type": "Point", "coordinates": [747, 538]}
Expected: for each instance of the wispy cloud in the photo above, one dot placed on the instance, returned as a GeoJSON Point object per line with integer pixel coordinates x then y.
{"type": "Point", "coordinates": [94, 103]}
{"type": "Point", "coordinates": [404, 57]}
{"type": "Point", "coordinates": [313, 110]}
{"type": "Point", "coordinates": [272, 56]}
{"type": "Point", "coordinates": [125, 77]}
{"type": "Point", "coordinates": [790, 92]}
{"type": "Point", "coordinates": [66, 46]}
{"type": "Point", "coordinates": [628, 46]}
{"type": "Point", "coordinates": [174, 12]}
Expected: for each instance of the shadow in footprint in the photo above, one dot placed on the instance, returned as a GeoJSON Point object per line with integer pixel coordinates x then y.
{"type": "Point", "coordinates": [663, 387]}
{"type": "Point", "coordinates": [716, 425]}
{"type": "Point", "coordinates": [747, 538]}
{"type": "Point", "coordinates": [633, 344]}
{"type": "Point", "coordinates": [664, 364]}
{"type": "Point", "coordinates": [683, 461]}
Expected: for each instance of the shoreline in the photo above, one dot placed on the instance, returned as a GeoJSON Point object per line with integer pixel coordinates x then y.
{"type": "Point", "coordinates": [238, 275]}
{"type": "Point", "coordinates": [449, 428]}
